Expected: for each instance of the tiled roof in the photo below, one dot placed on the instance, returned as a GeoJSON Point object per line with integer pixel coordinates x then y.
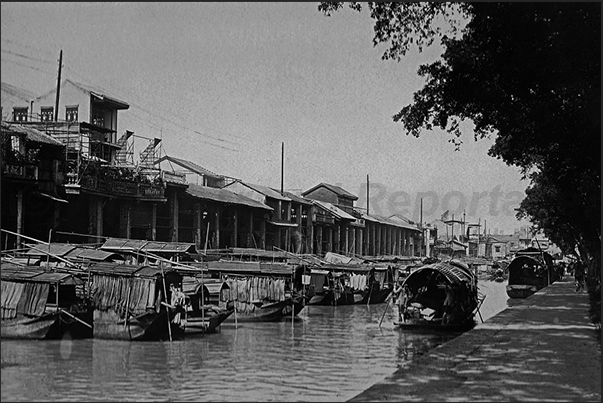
{"type": "Point", "coordinates": [191, 166]}
{"type": "Point", "coordinates": [298, 199]}
{"type": "Point", "coordinates": [266, 191]}
{"type": "Point", "coordinates": [334, 210]}
{"type": "Point", "coordinates": [335, 189]}
{"type": "Point", "coordinates": [30, 134]}
{"type": "Point", "coordinates": [91, 90]}
{"type": "Point", "coordinates": [224, 196]}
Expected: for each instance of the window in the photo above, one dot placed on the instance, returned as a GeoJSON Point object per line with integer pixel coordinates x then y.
{"type": "Point", "coordinates": [20, 115]}
{"type": "Point", "coordinates": [71, 113]}
{"type": "Point", "coordinates": [98, 120]}
{"type": "Point", "coordinates": [47, 113]}
{"type": "Point", "coordinates": [497, 249]}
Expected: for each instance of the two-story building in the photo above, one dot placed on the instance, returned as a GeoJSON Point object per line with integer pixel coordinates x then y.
{"type": "Point", "coordinates": [31, 174]}
{"type": "Point", "coordinates": [106, 196]}
{"type": "Point", "coordinates": [279, 227]}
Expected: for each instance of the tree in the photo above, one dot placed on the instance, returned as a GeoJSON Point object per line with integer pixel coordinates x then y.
{"type": "Point", "coordinates": [528, 74]}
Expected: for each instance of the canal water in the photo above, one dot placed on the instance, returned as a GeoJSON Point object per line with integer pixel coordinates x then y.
{"type": "Point", "coordinates": [326, 354]}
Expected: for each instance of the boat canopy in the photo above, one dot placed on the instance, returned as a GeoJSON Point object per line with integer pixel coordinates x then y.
{"type": "Point", "coordinates": [36, 274]}
{"type": "Point", "coordinates": [124, 270]}
{"type": "Point", "coordinates": [441, 272]}
{"type": "Point", "coordinates": [136, 245]}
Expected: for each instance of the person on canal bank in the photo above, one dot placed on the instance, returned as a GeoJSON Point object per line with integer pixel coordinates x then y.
{"type": "Point", "coordinates": [448, 304]}
{"type": "Point", "coordinates": [579, 276]}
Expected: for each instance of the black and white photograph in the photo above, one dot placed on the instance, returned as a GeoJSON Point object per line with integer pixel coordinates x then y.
{"type": "Point", "coordinates": [300, 201]}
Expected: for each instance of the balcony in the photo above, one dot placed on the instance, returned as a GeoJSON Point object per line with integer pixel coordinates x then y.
{"type": "Point", "coordinates": [115, 187]}
{"type": "Point", "coordinates": [21, 170]}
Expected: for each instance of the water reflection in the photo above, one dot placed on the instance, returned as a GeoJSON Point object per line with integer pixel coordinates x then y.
{"type": "Point", "coordinates": [327, 354]}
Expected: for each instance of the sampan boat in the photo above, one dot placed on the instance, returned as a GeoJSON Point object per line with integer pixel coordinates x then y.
{"type": "Point", "coordinates": [42, 304]}
{"type": "Point", "coordinates": [424, 293]}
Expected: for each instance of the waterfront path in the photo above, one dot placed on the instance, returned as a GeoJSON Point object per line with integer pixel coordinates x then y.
{"type": "Point", "coordinates": [542, 348]}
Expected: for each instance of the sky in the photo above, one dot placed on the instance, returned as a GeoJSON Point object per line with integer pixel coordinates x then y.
{"type": "Point", "coordinates": [230, 85]}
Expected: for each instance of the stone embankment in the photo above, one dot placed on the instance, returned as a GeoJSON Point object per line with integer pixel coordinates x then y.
{"type": "Point", "coordinates": [543, 348]}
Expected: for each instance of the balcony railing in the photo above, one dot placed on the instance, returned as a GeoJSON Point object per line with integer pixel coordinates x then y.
{"type": "Point", "coordinates": [21, 170]}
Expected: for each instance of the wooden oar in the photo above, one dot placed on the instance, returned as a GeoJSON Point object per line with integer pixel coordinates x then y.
{"type": "Point", "coordinates": [384, 312]}
{"type": "Point", "coordinates": [76, 318]}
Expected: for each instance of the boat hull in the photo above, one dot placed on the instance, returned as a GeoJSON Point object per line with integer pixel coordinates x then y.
{"type": "Point", "coordinates": [272, 312]}
{"type": "Point", "coordinates": [52, 325]}
{"type": "Point", "coordinates": [521, 290]}
{"type": "Point", "coordinates": [210, 322]}
{"type": "Point", "coordinates": [427, 325]}
{"type": "Point", "coordinates": [151, 326]}
{"type": "Point", "coordinates": [375, 297]}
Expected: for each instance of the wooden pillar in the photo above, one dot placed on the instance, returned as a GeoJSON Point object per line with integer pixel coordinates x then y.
{"type": "Point", "coordinates": [174, 217]}
{"type": "Point", "coordinates": [319, 240]}
{"type": "Point", "coordinates": [19, 217]}
{"type": "Point", "coordinates": [343, 245]}
{"type": "Point", "coordinates": [197, 227]}
{"type": "Point", "coordinates": [384, 244]}
{"type": "Point", "coordinates": [95, 218]}
{"type": "Point", "coordinates": [99, 217]}
{"type": "Point", "coordinates": [310, 226]}
{"type": "Point", "coordinates": [377, 239]}
{"type": "Point", "coordinates": [353, 239]}
{"type": "Point", "coordinates": [235, 229]}
{"type": "Point", "coordinates": [154, 222]}
{"type": "Point", "coordinates": [217, 228]}
{"type": "Point", "coordinates": [263, 234]}
{"type": "Point", "coordinates": [359, 244]}
{"type": "Point", "coordinates": [250, 236]}
{"type": "Point", "coordinates": [124, 220]}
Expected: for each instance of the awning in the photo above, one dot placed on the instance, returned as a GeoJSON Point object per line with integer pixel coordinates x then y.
{"type": "Point", "coordinates": [282, 224]}
{"type": "Point", "coordinates": [53, 197]}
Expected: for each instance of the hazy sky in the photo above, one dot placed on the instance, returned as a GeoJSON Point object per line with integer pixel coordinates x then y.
{"type": "Point", "coordinates": [225, 84]}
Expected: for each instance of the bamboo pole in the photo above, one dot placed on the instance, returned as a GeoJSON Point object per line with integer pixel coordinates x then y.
{"type": "Point", "coordinates": [167, 312]}
{"type": "Point", "coordinates": [127, 308]}
{"type": "Point", "coordinates": [48, 255]}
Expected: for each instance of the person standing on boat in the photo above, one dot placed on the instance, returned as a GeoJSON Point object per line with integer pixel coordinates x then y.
{"type": "Point", "coordinates": [400, 295]}
{"type": "Point", "coordinates": [177, 302]}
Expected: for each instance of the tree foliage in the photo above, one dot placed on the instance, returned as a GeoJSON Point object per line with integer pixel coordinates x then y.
{"type": "Point", "coordinates": [528, 74]}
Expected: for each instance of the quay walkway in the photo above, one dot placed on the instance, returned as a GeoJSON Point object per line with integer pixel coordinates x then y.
{"type": "Point", "coordinates": [542, 348]}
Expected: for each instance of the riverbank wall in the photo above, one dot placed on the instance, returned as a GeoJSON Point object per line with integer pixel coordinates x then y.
{"type": "Point", "coordinates": [542, 348]}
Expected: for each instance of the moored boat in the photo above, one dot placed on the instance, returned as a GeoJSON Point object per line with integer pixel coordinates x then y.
{"type": "Point", "coordinates": [42, 304]}
{"type": "Point", "coordinates": [259, 292]}
{"type": "Point", "coordinates": [201, 315]}
{"type": "Point", "coordinates": [439, 296]}
{"type": "Point", "coordinates": [530, 271]}
{"type": "Point", "coordinates": [339, 284]}
{"type": "Point", "coordinates": [129, 302]}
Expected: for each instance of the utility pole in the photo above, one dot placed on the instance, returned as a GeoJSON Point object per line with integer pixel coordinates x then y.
{"type": "Point", "coordinates": [367, 195]}
{"type": "Point", "coordinates": [282, 167]}
{"type": "Point", "coordinates": [422, 230]}
{"type": "Point", "coordinates": [56, 105]}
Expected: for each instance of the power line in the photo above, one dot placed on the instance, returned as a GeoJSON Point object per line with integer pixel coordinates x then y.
{"type": "Point", "coordinates": [155, 115]}
{"type": "Point", "coordinates": [143, 109]}
{"type": "Point", "coordinates": [29, 67]}
{"type": "Point", "coordinates": [26, 57]}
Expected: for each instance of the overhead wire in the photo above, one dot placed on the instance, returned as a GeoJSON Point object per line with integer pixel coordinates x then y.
{"type": "Point", "coordinates": [152, 114]}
